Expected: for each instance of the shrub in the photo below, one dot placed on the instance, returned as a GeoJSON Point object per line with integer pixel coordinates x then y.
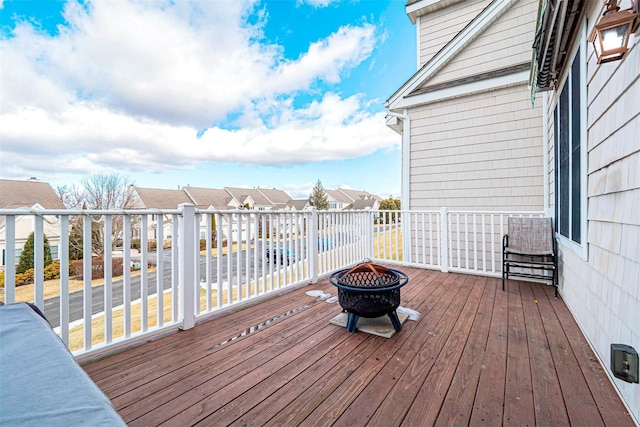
{"type": "Point", "coordinates": [26, 256]}
{"type": "Point", "coordinates": [97, 268]}
{"type": "Point", "coordinates": [52, 271]}
{"type": "Point", "coordinates": [25, 278]}
{"type": "Point", "coordinates": [152, 245]}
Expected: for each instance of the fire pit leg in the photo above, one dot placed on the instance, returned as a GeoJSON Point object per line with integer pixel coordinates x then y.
{"type": "Point", "coordinates": [352, 320]}
{"type": "Point", "coordinates": [394, 319]}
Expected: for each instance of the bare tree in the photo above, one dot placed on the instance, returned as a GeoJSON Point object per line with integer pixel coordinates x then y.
{"type": "Point", "coordinates": [112, 191]}
{"type": "Point", "coordinates": [71, 196]}
{"type": "Point", "coordinates": [97, 192]}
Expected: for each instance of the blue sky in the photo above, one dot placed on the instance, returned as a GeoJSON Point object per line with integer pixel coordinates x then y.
{"type": "Point", "coordinates": [208, 93]}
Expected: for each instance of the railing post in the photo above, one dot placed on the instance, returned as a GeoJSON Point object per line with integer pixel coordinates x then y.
{"type": "Point", "coordinates": [368, 227]}
{"type": "Point", "coordinates": [405, 219]}
{"type": "Point", "coordinates": [444, 241]}
{"type": "Point", "coordinates": [187, 281]}
{"type": "Point", "coordinates": [313, 245]}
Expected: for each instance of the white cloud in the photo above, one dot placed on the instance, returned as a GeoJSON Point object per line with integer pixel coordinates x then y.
{"type": "Point", "coordinates": [128, 85]}
{"type": "Point", "coordinates": [317, 3]}
{"type": "Point", "coordinates": [326, 59]}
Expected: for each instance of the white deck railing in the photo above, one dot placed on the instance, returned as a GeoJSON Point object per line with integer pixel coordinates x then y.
{"type": "Point", "coordinates": [248, 254]}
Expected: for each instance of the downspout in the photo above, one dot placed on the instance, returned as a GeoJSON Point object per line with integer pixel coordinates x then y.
{"type": "Point", "coordinates": [405, 182]}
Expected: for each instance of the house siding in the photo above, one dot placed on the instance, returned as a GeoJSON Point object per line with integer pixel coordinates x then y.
{"type": "Point", "coordinates": [24, 227]}
{"type": "Point", "coordinates": [506, 42]}
{"type": "Point", "coordinates": [437, 28]}
{"type": "Point", "coordinates": [481, 151]}
{"type": "Point", "coordinates": [602, 291]}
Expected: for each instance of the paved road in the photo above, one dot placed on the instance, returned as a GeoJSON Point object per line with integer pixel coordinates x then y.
{"type": "Point", "coordinates": [76, 309]}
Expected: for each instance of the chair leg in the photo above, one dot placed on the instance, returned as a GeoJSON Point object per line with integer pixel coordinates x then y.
{"type": "Point", "coordinates": [555, 277]}
{"type": "Point", "coordinates": [505, 274]}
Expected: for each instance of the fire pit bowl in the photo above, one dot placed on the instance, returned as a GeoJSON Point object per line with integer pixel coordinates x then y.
{"type": "Point", "coordinates": [369, 290]}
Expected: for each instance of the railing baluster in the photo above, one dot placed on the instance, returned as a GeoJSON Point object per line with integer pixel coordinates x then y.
{"type": "Point", "coordinates": [108, 273]}
{"type": "Point", "coordinates": [219, 277]}
{"type": "Point", "coordinates": [160, 270]}
{"type": "Point", "coordinates": [247, 254]}
{"type": "Point", "coordinates": [86, 282]}
{"type": "Point", "coordinates": [493, 244]}
{"type": "Point", "coordinates": [38, 261]}
{"type": "Point", "coordinates": [238, 252]}
{"type": "Point", "coordinates": [126, 271]}
{"type": "Point", "coordinates": [208, 261]}
{"type": "Point", "coordinates": [175, 265]}
{"type": "Point", "coordinates": [230, 219]}
{"type": "Point", "coordinates": [458, 232]}
{"type": "Point", "coordinates": [484, 244]}
{"type": "Point", "coordinates": [10, 260]}
{"type": "Point", "coordinates": [144, 272]}
{"type": "Point", "coordinates": [63, 255]}
{"type": "Point", "coordinates": [256, 252]}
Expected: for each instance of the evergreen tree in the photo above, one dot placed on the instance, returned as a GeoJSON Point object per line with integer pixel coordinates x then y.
{"type": "Point", "coordinates": [318, 197]}
{"type": "Point", "coordinates": [26, 256]}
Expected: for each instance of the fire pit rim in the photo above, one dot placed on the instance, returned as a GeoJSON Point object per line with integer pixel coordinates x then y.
{"type": "Point", "coordinates": [403, 280]}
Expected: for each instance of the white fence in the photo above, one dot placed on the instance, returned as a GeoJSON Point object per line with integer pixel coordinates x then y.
{"type": "Point", "coordinates": [192, 263]}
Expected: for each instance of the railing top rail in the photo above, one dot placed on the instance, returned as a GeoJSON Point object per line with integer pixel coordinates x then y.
{"type": "Point", "coordinates": [249, 211]}
{"type": "Point", "coordinates": [31, 211]}
{"type": "Point", "coordinates": [496, 212]}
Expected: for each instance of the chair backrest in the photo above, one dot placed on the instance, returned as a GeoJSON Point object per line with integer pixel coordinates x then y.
{"type": "Point", "coordinates": [531, 235]}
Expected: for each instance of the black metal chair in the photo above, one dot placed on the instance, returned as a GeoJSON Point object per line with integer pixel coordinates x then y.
{"type": "Point", "coordinates": [529, 250]}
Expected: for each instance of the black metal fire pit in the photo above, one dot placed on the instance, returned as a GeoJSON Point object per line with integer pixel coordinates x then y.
{"type": "Point", "coordinates": [369, 290]}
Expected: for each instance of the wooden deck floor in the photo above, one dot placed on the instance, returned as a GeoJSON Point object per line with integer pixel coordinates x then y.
{"type": "Point", "coordinates": [477, 355]}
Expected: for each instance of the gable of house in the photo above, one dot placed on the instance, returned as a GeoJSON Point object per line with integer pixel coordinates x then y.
{"type": "Point", "coordinates": [215, 198]}
{"type": "Point", "coordinates": [16, 194]}
{"type": "Point", "coordinates": [275, 196]}
{"type": "Point", "coordinates": [354, 195]}
{"type": "Point", "coordinates": [157, 198]}
{"type": "Point", "coordinates": [337, 200]}
{"type": "Point", "coordinates": [442, 20]}
{"type": "Point", "coordinates": [297, 205]}
{"type": "Point", "coordinates": [252, 196]}
{"type": "Point", "coordinates": [412, 93]}
{"type": "Point", "coordinates": [361, 204]}
{"type": "Point", "coordinates": [471, 137]}
{"type": "Point", "coordinates": [501, 49]}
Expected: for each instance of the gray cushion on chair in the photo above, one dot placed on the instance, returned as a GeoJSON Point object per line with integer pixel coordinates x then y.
{"type": "Point", "coordinates": [530, 236]}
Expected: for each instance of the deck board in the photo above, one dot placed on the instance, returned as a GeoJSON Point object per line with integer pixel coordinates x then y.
{"type": "Point", "coordinates": [478, 355]}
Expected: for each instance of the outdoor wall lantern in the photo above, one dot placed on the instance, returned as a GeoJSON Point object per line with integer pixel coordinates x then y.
{"type": "Point", "coordinates": [610, 36]}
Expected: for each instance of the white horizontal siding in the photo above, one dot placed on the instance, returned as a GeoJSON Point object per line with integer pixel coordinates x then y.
{"type": "Point", "coordinates": [478, 152]}
{"type": "Point", "coordinates": [439, 27]}
{"type": "Point", "coordinates": [504, 43]}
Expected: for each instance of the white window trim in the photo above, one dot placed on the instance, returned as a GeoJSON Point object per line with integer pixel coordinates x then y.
{"type": "Point", "coordinates": [581, 249]}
